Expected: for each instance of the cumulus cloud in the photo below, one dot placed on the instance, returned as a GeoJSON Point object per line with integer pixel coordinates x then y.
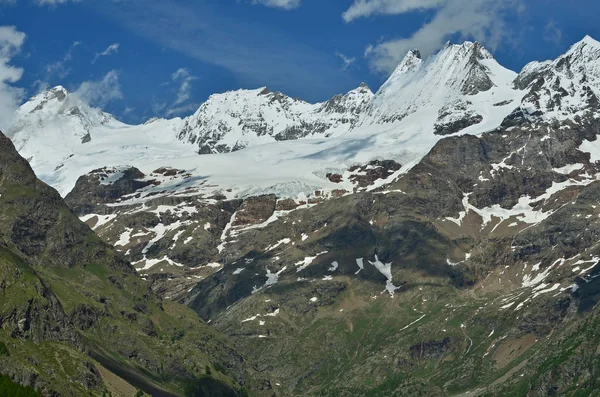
{"type": "Point", "coordinates": [112, 49]}
{"type": "Point", "coordinates": [11, 41]}
{"type": "Point", "coordinates": [283, 4]}
{"type": "Point", "coordinates": [482, 20]}
{"type": "Point", "coordinates": [99, 93]}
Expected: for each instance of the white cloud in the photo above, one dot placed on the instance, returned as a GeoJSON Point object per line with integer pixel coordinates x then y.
{"type": "Point", "coordinates": [184, 78]}
{"type": "Point", "coordinates": [482, 20]}
{"type": "Point", "coordinates": [99, 93]}
{"type": "Point", "coordinates": [284, 4]}
{"type": "Point", "coordinates": [553, 32]}
{"type": "Point", "coordinates": [55, 2]}
{"type": "Point", "coordinates": [11, 41]}
{"type": "Point", "coordinates": [59, 68]}
{"type": "Point", "coordinates": [347, 61]}
{"type": "Point", "coordinates": [255, 53]}
{"type": "Point", "coordinates": [366, 8]}
{"type": "Point", "coordinates": [112, 49]}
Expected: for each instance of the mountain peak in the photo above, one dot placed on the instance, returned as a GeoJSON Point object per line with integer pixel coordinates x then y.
{"type": "Point", "coordinates": [411, 61]}
{"type": "Point", "coordinates": [589, 40]}
{"type": "Point", "coordinates": [584, 46]}
{"type": "Point", "coordinates": [475, 50]}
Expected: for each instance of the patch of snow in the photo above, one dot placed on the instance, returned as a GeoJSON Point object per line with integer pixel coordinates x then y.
{"type": "Point", "coordinates": [306, 262]}
{"type": "Point", "coordinates": [361, 265]}
{"type": "Point", "coordinates": [334, 266]}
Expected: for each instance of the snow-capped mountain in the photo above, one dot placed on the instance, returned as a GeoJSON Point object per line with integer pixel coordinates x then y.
{"type": "Point", "coordinates": [563, 88]}
{"type": "Point", "coordinates": [238, 119]}
{"type": "Point", "coordinates": [459, 87]}
{"type": "Point", "coordinates": [62, 138]}
{"type": "Point", "coordinates": [460, 90]}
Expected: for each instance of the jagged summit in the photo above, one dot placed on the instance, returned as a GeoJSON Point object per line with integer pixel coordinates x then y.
{"type": "Point", "coordinates": [438, 91]}
{"type": "Point", "coordinates": [564, 87]}
{"type": "Point", "coordinates": [239, 119]}
{"type": "Point", "coordinates": [411, 61]}
{"type": "Point", "coordinates": [586, 41]}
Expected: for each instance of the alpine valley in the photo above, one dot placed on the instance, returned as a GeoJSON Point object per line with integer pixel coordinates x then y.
{"type": "Point", "coordinates": [439, 237]}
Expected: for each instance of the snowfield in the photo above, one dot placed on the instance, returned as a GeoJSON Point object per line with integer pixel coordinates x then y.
{"type": "Point", "coordinates": [63, 138]}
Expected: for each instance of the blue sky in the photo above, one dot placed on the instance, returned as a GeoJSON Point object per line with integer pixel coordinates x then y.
{"type": "Point", "coordinates": [145, 58]}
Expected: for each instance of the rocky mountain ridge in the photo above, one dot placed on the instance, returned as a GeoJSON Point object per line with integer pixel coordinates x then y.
{"type": "Point", "coordinates": [462, 89]}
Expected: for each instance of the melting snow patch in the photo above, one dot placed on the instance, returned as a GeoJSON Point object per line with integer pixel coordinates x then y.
{"type": "Point", "coordinates": [306, 262]}
{"type": "Point", "coordinates": [272, 279]}
{"type": "Point", "coordinates": [102, 219]}
{"type": "Point", "coordinates": [160, 230]}
{"type": "Point", "coordinates": [221, 246]}
{"type": "Point", "coordinates": [125, 238]}
{"type": "Point", "coordinates": [150, 263]}
{"type": "Point", "coordinates": [334, 266]}
{"type": "Point", "coordinates": [528, 281]}
{"type": "Point", "coordinates": [280, 242]}
{"type": "Point", "coordinates": [386, 270]}
{"type": "Point", "coordinates": [238, 271]}
{"type": "Point", "coordinates": [314, 299]}
{"type": "Point", "coordinates": [566, 170]}
{"type": "Point", "coordinates": [542, 290]}
{"type": "Point", "coordinates": [414, 322]}
{"type": "Point", "coordinates": [251, 318]}
{"type": "Point", "coordinates": [274, 314]}
{"type": "Point", "coordinates": [361, 265]}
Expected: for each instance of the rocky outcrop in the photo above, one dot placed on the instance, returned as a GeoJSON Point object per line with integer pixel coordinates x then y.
{"type": "Point", "coordinates": [255, 210]}
{"type": "Point", "coordinates": [457, 126]}
{"type": "Point", "coordinates": [105, 185]}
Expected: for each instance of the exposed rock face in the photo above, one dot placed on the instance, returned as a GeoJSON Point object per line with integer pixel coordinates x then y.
{"type": "Point", "coordinates": [458, 125]}
{"type": "Point", "coordinates": [255, 210]}
{"type": "Point", "coordinates": [103, 186]}
{"type": "Point", "coordinates": [364, 176]}
{"type": "Point", "coordinates": [431, 350]}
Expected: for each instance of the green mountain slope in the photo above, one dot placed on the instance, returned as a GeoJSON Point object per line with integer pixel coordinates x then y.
{"type": "Point", "coordinates": [75, 319]}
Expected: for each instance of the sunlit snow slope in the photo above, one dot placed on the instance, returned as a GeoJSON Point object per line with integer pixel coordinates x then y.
{"type": "Point", "coordinates": [267, 142]}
